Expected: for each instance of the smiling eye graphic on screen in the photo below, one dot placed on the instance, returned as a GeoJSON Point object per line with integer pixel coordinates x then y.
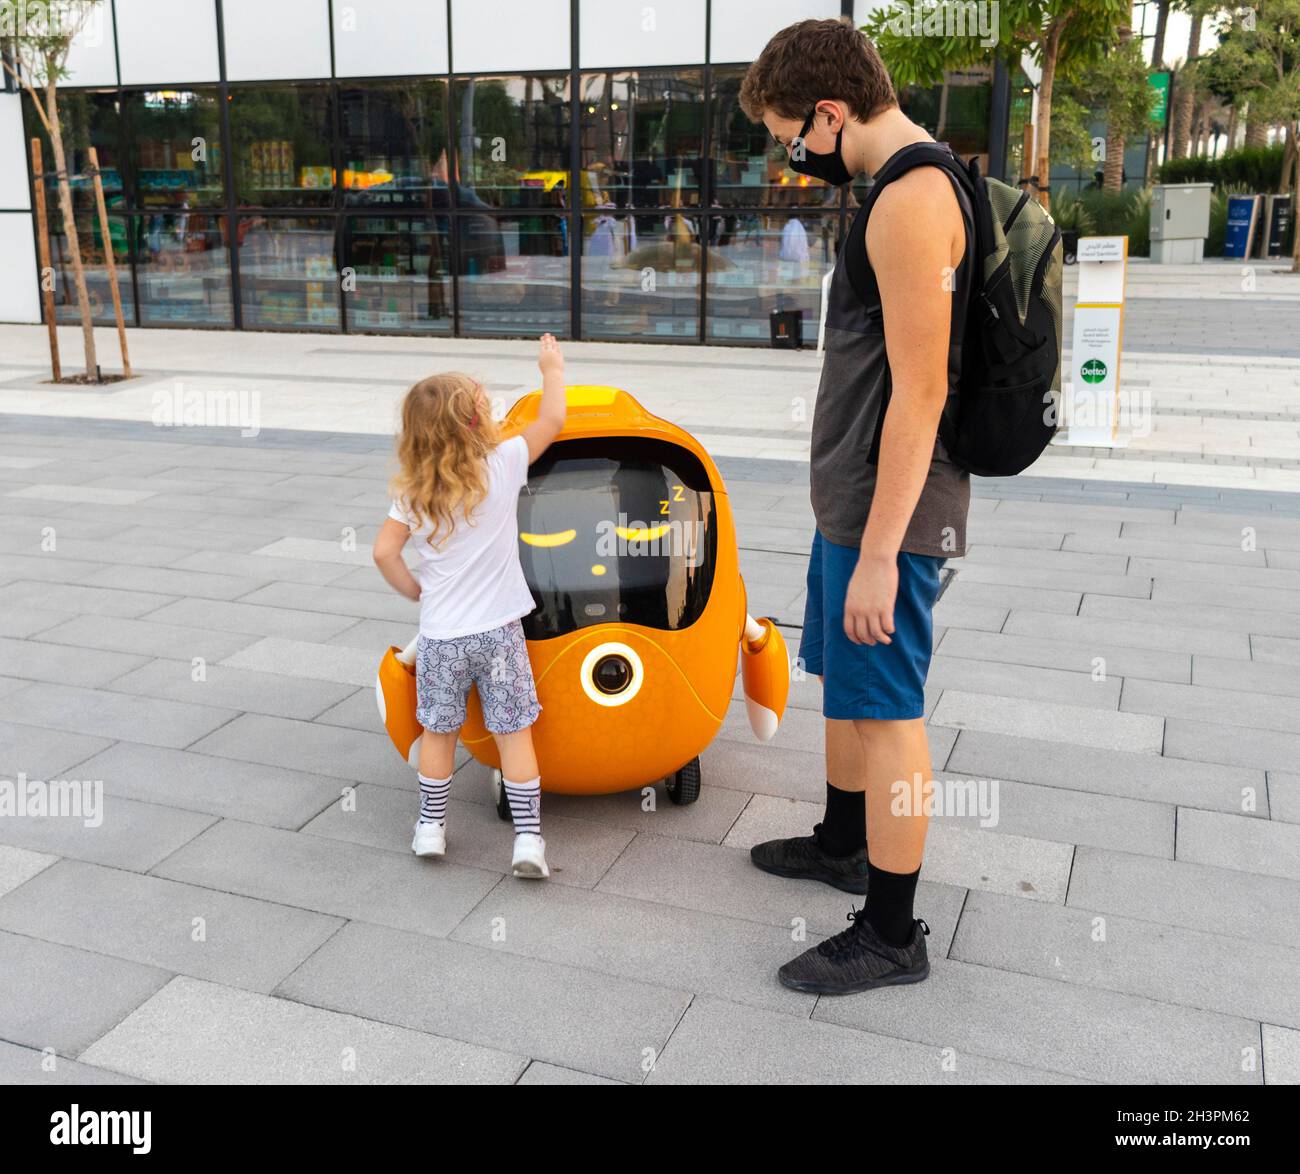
{"type": "Point", "coordinates": [642, 533]}
{"type": "Point", "coordinates": [559, 538]}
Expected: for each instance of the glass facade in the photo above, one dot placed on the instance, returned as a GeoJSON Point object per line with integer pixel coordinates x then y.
{"type": "Point", "coordinates": [449, 206]}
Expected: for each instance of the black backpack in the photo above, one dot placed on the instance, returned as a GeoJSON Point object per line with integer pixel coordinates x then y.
{"type": "Point", "coordinates": [1006, 411]}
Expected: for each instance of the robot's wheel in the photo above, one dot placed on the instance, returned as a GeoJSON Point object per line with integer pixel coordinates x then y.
{"type": "Point", "coordinates": [499, 796]}
{"type": "Point", "coordinates": [683, 786]}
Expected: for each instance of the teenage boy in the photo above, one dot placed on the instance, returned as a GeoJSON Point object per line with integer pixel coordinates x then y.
{"type": "Point", "coordinates": [889, 505]}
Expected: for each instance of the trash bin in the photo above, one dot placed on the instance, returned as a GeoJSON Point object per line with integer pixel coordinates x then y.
{"type": "Point", "coordinates": [1279, 216]}
{"type": "Point", "coordinates": [1243, 217]}
{"type": "Point", "coordinates": [787, 329]}
{"type": "Point", "coordinates": [1180, 222]}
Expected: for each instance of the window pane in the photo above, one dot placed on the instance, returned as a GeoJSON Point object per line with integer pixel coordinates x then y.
{"type": "Point", "coordinates": [513, 144]}
{"type": "Point", "coordinates": [88, 120]}
{"type": "Point", "coordinates": [164, 127]}
{"type": "Point", "coordinates": [282, 146]}
{"type": "Point", "coordinates": [395, 144]}
{"type": "Point", "coordinates": [641, 276]}
{"type": "Point", "coordinates": [288, 274]}
{"type": "Point", "coordinates": [402, 274]}
{"type": "Point", "coordinates": [749, 166]}
{"type": "Point", "coordinates": [643, 138]}
{"type": "Point", "coordinates": [91, 242]}
{"type": "Point", "coordinates": [514, 274]}
{"type": "Point", "coordinates": [183, 269]}
{"type": "Point", "coordinates": [770, 262]}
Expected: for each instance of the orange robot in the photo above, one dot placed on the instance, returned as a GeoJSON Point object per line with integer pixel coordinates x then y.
{"type": "Point", "coordinates": [627, 541]}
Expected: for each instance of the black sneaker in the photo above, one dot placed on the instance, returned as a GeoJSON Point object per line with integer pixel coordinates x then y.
{"type": "Point", "coordinates": [803, 857]}
{"type": "Point", "coordinates": [857, 960]}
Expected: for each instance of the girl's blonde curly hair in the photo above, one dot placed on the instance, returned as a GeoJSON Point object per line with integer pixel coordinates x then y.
{"type": "Point", "coordinates": [447, 433]}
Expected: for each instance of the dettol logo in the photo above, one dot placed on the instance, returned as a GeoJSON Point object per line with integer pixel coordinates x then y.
{"type": "Point", "coordinates": [1093, 371]}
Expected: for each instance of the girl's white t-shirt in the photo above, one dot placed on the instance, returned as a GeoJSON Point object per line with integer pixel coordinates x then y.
{"type": "Point", "coordinates": [474, 582]}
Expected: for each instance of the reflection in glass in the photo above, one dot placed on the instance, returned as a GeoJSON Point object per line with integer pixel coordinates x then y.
{"type": "Point", "coordinates": [643, 138]}
{"type": "Point", "coordinates": [288, 276]}
{"type": "Point", "coordinates": [88, 120]}
{"type": "Point", "coordinates": [774, 262]}
{"type": "Point", "coordinates": [91, 241]}
{"type": "Point", "coordinates": [749, 166]}
{"type": "Point", "coordinates": [514, 274]}
{"type": "Point", "coordinates": [282, 138]}
{"type": "Point", "coordinates": [616, 530]}
{"type": "Point", "coordinates": [176, 148]}
{"type": "Point", "coordinates": [401, 273]}
{"type": "Point", "coordinates": [513, 140]}
{"type": "Point", "coordinates": [641, 276]}
{"type": "Point", "coordinates": [395, 144]}
{"type": "Point", "coordinates": [183, 269]}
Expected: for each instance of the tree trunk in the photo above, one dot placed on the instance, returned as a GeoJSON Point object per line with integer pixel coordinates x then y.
{"type": "Point", "coordinates": [1051, 53]}
{"type": "Point", "coordinates": [943, 109]}
{"type": "Point", "coordinates": [1113, 171]}
{"type": "Point", "coordinates": [1256, 131]}
{"type": "Point", "coordinates": [1158, 44]}
{"type": "Point", "coordinates": [1185, 99]}
{"type": "Point", "coordinates": [1232, 127]}
{"type": "Point", "coordinates": [70, 229]}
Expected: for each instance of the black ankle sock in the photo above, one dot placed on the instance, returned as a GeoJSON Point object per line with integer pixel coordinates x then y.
{"type": "Point", "coordinates": [889, 903]}
{"type": "Point", "coordinates": [844, 827]}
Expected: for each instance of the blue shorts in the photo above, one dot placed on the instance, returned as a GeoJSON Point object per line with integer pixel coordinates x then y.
{"type": "Point", "coordinates": [882, 681]}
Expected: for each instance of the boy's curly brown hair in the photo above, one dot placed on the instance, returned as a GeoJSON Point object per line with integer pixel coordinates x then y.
{"type": "Point", "coordinates": [815, 59]}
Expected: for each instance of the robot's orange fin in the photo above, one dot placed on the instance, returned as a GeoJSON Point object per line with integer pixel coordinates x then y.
{"type": "Point", "coordinates": [765, 673]}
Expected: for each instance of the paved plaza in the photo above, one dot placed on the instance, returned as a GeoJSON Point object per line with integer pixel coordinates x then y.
{"type": "Point", "coordinates": [184, 620]}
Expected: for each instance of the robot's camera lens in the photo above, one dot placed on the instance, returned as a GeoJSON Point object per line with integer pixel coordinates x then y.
{"type": "Point", "coordinates": [612, 674]}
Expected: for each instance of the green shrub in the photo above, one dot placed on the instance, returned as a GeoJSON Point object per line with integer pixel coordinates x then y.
{"type": "Point", "coordinates": [1139, 224]}
{"type": "Point", "coordinates": [1070, 214]}
{"type": "Point", "coordinates": [1259, 169]}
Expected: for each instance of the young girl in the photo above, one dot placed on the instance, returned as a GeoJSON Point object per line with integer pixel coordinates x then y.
{"type": "Point", "coordinates": [456, 494]}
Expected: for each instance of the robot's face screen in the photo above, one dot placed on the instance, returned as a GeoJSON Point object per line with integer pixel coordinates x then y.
{"type": "Point", "coordinates": [616, 529]}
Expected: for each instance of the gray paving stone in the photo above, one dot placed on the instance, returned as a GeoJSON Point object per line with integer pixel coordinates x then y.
{"type": "Point", "coordinates": [195, 1032]}
{"type": "Point", "coordinates": [80, 493]}
{"type": "Point", "coordinates": [376, 636]}
{"type": "Point", "coordinates": [1283, 601]}
{"type": "Point", "coordinates": [1252, 676]}
{"type": "Point", "coordinates": [181, 928]}
{"type": "Point", "coordinates": [801, 729]}
{"type": "Point", "coordinates": [970, 675]}
{"type": "Point", "coordinates": [28, 621]}
{"type": "Point", "coordinates": [1048, 511]}
{"type": "Point", "coordinates": [995, 595]}
{"type": "Point", "coordinates": [1200, 702]}
{"type": "Point", "coordinates": [249, 618]}
{"type": "Point", "coordinates": [371, 605]}
{"type": "Point", "coordinates": [707, 819]}
{"type": "Point", "coordinates": [121, 833]}
{"type": "Point", "coordinates": [327, 750]}
{"type": "Point", "coordinates": [1226, 901]}
{"type": "Point", "coordinates": [42, 753]}
{"type": "Point", "coordinates": [540, 1073]}
{"type": "Point", "coordinates": [277, 694]}
{"type": "Point", "coordinates": [1256, 621]}
{"type": "Point", "coordinates": [197, 782]}
{"type": "Point", "coordinates": [190, 584]}
{"type": "Point", "coordinates": [570, 1017]}
{"type": "Point", "coordinates": [1066, 560]}
{"type": "Point", "coordinates": [48, 568]}
{"type": "Point", "coordinates": [1275, 650]}
{"type": "Point", "coordinates": [316, 551]}
{"type": "Point", "coordinates": [145, 638]}
{"type": "Point", "coordinates": [58, 997]}
{"type": "Point", "coordinates": [261, 567]}
{"type": "Point", "coordinates": [1256, 846]}
{"type": "Point", "coordinates": [113, 715]}
{"type": "Point", "coordinates": [28, 1066]}
{"type": "Point", "coordinates": [1100, 771]}
{"type": "Point", "coordinates": [1118, 660]}
{"type": "Point", "coordinates": [785, 1049]}
{"type": "Point", "coordinates": [1284, 796]}
{"type": "Point", "coordinates": [330, 876]}
{"type": "Point", "coordinates": [578, 851]}
{"type": "Point", "coordinates": [1075, 724]}
{"type": "Point", "coordinates": [36, 661]}
{"type": "Point", "coordinates": [18, 865]}
{"type": "Point", "coordinates": [1188, 968]}
{"type": "Point", "coordinates": [1166, 637]}
{"type": "Point", "coordinates": [1055, 1026]}
{"type": "Point", "coordinates": [723, 881]}
{"type": "Point", "coordinates": [301, 658]}
{"type": "Point", "coordinates": [357, 711]}
{"type": "Point", "coordinates": [1171, 548]}
{"type": "Point", "coordinates": [1203, 741]}
{"type": "Point", "coordinates": [1218, 575]}
{"type": "Point", "coordinates": [73, 597]}
{"type": "Point", "coordinates": [1042, 578]}
{"type": "Point", "coordinates": [959, 613]}
{"type": "Point", "coordinates": [1281, 1055]}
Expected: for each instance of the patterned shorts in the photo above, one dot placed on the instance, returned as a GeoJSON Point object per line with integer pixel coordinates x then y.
{"type": "Point", "coordinates": [496, 662]}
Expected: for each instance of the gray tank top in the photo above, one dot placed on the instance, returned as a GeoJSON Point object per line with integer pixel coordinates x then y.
{"type": "Point", "coordinates": [850, 408]}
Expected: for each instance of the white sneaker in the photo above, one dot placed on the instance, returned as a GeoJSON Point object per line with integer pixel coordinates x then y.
{"type": "Point", "coordinates": [530, 856]}
{"type": "Point", "coordinates": [430, 839]}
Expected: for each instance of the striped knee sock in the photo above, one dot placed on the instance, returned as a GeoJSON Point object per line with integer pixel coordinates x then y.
{"type": "Point", "coordinates": [433, 799]}
{"type": "Point", "coordinates": [525, 805]}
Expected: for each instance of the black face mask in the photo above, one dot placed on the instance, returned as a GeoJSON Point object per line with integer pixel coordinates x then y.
{"type": "Point", "coordinates": [828, 166]}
